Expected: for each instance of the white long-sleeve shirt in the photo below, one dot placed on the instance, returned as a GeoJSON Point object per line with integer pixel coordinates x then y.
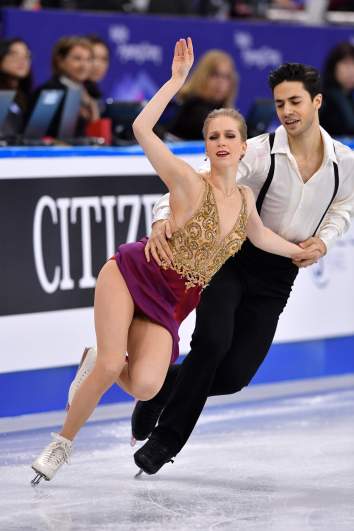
{"type": "Point", "coordinates": [293, 208]}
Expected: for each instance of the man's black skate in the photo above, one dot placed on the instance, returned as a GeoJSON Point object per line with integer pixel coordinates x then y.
{"type": "Point", "coordinates": [153, 455]}
{"type": "Point", "coordinates": [146, 414]}
{"type": "Point", "coordinates": [144, 418]}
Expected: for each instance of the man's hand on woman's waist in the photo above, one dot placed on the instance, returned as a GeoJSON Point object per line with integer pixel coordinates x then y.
{"type": "Point", "coordinates": [157, 243]}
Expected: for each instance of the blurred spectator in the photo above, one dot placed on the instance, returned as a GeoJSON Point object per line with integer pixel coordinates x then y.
{"type": "Point", "coordinates": [96, 5]}
{"type": "Point", "coordinates": [99, 67]}
{"type": "Point", "coordinates": [259, 8]}
{"type": "Point", "coordinates": [9, 3]}
{"type": "Point", "coordinates": [171, 7]}
{"type": "Point", "coordinates": [337, 115]}
{"type": "Point", "coordinates": [341, 5]}
{"type": "Point", "coordinates": [213, 84]}
{"type": "Point", "coordinates": [15, 74]}
{"type": "Point", "coordinates": [209, 8]}
{"type": "Point", "coordinates": [57, 4]}
{"type": "Point", "coordinates": [71, 65]}
{"type": "Point", "coordinates": [249, 8]}
{"type": "Point", "coordinates": [288, 4]}
{"type": "Point", "coordinates": [90, 5]}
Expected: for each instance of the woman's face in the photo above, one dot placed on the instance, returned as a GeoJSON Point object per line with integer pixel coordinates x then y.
{"type": "Point", "coordinates": [223, 142]}
{"type": "Point", "coordinates": [77, 64]}
{"type": "Point", "coordinates": [17, 61]}
{"type": "Point", "coordinates": [100, 62]}
{"type": "Point", "coordinates": [344, 73]}
{"type": "Point", "coordinates": [219, 82]}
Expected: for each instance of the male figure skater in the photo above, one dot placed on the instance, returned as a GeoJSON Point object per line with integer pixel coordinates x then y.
{"type": "Point", "coordinates": [304, 184]}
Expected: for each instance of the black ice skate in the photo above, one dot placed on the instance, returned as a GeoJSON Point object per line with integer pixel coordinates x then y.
{"type": "Point", "coordinates": [152, 456]}
{"type": "Point", "coordinates": [144, 418]}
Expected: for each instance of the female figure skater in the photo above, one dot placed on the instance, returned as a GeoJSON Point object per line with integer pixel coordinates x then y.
{"type": "Point", "coordinates": [140, 305]}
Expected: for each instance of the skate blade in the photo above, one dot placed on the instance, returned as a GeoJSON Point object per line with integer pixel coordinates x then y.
{"type": "Point", "coordinates": [38, 477]}
{"type": "Point", "coordinates": [139, 474]}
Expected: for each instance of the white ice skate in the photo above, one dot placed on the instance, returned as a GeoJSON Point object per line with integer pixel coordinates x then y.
{"type": "Point", "coordinates": [51, 458]}
{"type": "Point", "coordinates": [87, 363]}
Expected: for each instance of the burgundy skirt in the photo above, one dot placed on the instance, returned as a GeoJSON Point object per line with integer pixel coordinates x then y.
{"type": "Point", "coordinates": [159, 294]}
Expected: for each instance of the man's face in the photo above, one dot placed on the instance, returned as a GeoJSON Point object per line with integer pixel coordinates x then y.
{"type": "Point", "coordinates": [295, 108]}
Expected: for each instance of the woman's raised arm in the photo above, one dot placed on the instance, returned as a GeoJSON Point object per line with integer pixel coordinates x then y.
{"type": "Point", "coordinates": [173, 171]}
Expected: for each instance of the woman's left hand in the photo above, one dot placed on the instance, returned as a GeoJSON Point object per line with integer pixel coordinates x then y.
{"type": "Point", "coordinates": [183, 59]}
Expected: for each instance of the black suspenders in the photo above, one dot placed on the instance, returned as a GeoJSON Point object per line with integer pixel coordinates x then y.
{"type": "Point", "coordinates": [270, 176]}
{"type": "Point", "coordinates": [336, 185]}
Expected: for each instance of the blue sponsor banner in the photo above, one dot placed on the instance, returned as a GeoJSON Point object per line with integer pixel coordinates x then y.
{"type": "Point", "coordinates": [141, 46]}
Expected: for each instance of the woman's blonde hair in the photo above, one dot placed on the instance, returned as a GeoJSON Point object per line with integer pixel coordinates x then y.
{"type": "Point", "coordinates": [206, 66]}
{"type": "Point", "coordinates": [63, 47]}
{"type": "Point", "coordinates": [231, 113]}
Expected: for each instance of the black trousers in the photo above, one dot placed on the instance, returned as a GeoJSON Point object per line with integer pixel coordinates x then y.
{"type": "Point", "coordinates": [235, 325]}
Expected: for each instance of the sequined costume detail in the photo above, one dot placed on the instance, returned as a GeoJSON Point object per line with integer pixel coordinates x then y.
{"type": "Point", "coordinates": [197, 253]}
{"type": "Point", "coordinates": [166, 295]}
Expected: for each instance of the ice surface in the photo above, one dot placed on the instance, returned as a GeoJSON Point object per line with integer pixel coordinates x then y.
{"type": "Point", "coordinates": [284, 464]}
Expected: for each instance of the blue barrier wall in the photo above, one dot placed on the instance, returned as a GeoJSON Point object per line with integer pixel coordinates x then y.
{"type": "Point", "coordinates": [141, 46]}
{"type": "Point", "coordinates": [46, 389]}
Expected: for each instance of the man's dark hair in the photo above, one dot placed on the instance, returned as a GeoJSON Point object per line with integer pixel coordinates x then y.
{"type": "Point", "coordinates": [307, 75]}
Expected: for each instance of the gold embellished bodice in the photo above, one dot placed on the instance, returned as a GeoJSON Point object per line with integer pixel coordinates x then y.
{"type": "Point", "coordinates": [198, 252]}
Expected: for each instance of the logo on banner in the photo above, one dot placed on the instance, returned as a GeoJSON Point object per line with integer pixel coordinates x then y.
{"type": "Point", "coordinates": [139, 52]}
{"type": "Point", "coordinates": [59, 215]}
{"type": "Point", "coordinates": [262, 57]}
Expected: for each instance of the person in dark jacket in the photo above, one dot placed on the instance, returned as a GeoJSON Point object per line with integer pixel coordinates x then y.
{"type": "Point", "coordinates": [212, 85]}
{"type": "Point", "coordinates": [15, 74]}
{"type": "Point", "coordinates": [71, 65]}
{"type": "Point", "coordinates": [337, 115]}
{"type": "Point", "coordinates": [99, 67]}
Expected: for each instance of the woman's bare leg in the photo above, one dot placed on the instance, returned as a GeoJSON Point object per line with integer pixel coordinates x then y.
{"type": "Point", "coordinates": [149, 348]}
{"type": "Point", "coordinates": [114, 310]}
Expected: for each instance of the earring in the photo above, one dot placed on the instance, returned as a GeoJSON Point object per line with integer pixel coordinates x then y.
{"type": "Point", "coordinates": [205, 157]}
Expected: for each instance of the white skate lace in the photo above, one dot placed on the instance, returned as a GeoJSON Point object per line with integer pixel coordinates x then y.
{"type": "Point", "coordinates": [82, 377]}
{"type": "Point", "coordinates": [83, 372]}
{"type": "Point", "coordinates": [57, 452]}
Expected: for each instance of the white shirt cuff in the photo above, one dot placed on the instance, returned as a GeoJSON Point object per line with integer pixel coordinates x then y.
{"type": "Point", "coordinates": [328, 239]}
{"type": "Point", "coordinates": [161, 214]}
